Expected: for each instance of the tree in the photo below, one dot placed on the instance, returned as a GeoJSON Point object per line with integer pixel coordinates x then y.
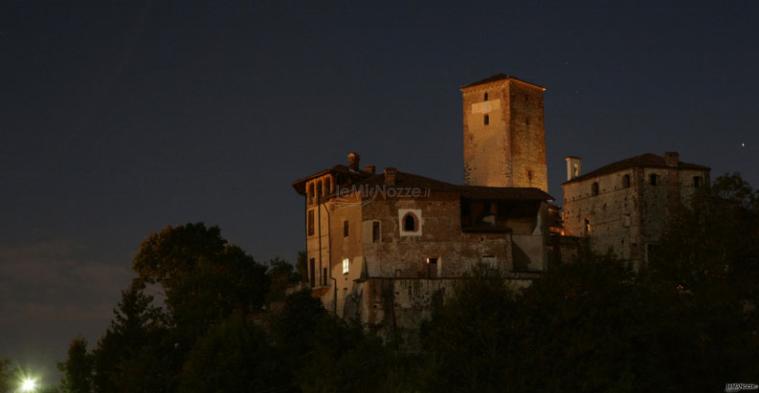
{"type": "Point", "coordinates": [135, 354]}
{"type": "Point", "coordinates": [77, 369]}
{"type": "Point", "coordinates": [710, 256]}
{"type": "Point", "coordinates": [234, 356]}
{"type": "Point", "coordinates": [468, 340]}
{"type": "Point", "coordinates": [6, 376]}
{"type": "Point", "coordinates": [204, 278]}
{"type": "Point", "coordinates": [282, 275]}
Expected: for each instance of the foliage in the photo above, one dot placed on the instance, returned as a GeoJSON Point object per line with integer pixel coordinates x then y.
{"type": "Point", "coordinates": [234, 356]}
{"type": "Point", "coordinates": [687, 322]}
{"type": "Point", "coordinates": [204, 278]}
{"type": "Point", "coordinates": [77, 369]}
{"type": "Point", "coordinates": [128, 357]}
{"type": "Point", "coordinates": [6, 376]}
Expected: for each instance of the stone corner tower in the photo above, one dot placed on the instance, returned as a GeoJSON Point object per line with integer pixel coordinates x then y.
{"type": "Point", "coordinates": [504, 135]}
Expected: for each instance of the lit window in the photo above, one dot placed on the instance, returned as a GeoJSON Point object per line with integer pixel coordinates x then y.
{"type": "Point", "coordinates": [346, 265]}
{"type": "Point", "coordinates": [486, 119]}
{"type": "Point", "coordinates": [587, 227]}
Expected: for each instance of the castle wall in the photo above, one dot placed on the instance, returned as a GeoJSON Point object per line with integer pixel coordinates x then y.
{"type": "Point", "coordinates": [508, 148]}
{"type": "Point", "coordinates": [626, 221]}
{"type": "Point", "coordinates": [396, 255]}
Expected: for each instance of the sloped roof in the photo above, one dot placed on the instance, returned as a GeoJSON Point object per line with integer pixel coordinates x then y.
{"type": "Point", "coordinates": [403, 179]}
{"type": "Point", "coordinates": [499, 77]}
{"type": "Point", "coordinates": [648, 160]}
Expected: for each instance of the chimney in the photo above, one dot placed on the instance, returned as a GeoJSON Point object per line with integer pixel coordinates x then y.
{"type": "Point", "coordinates": [353, 159]}
{"type": "Point", "coordinates": [390, 175]}
{"type": "Point", "coordinates": [672, 159]}
{"type": "Point", "coordinates": [370, 169]}
{"type": "Point", "coordinates": [574, 166]}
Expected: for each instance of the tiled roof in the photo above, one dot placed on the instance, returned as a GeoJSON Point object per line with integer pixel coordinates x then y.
{"type": "Point", "coordinates": [403, 179]}
{"type": "Point", "coordinates": [647, 160]}
{"type": "Point", "coordinates": [498, 77]}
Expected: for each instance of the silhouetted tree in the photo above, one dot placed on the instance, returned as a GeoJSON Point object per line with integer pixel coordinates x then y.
{"type": "Point", "coordinates": [204, 278]}
{"type": "Point", "coordinates": [77, 369]}
{"type": "Point", "coordinates": [131, 356]}
{"type": "Point", "coordinates": [234, 356]}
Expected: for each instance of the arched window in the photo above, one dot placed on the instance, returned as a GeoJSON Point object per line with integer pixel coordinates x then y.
{"type": "Point", "coordinates": [410, 223]}
{"type": "Point", "coordinates": [594, 188]}
{"type": "Point", "coordinates": [626, 181]}
{"type": "Point", "coordinates": [486, 96]}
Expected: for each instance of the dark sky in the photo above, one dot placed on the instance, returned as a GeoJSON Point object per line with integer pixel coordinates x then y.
{"type": "Point", "coordinates": [120, 117]}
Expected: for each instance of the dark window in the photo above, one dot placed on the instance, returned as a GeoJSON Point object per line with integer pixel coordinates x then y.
{"type": "Point", "coordinates": [594, 188]}
{"type": "Point", "coordinates": [346, 230]}
{"type": "Point", "coordinates": [431, 267]}
{"type": "Point", "coordinates": [312, 272]}
{"type": "Point", "coordinates": [653, 179]}
{"type": "Point", "coordinates": [310, 223]}
{"type": "Point", "coordinates": [587, 227]}
{"type": "Point", "coordinates": [324, 276]}
{"type": "Point", "coordinates": [626, 181]}
{"type": "Point", "coordinates": [697, 181]}
{"type": "Point", "coordinates": [409, 223]}
{"type": "Point", "coordinates": [375, 231]}
{"type": "Point", "coordinates": [486, 120]}
{"type": "Point", "coordinates": [486, 96]}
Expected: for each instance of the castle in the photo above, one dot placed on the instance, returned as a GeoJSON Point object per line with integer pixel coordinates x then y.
{"type": "Point", "coordinates": [383, 246]}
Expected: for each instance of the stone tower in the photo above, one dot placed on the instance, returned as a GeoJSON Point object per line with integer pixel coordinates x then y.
{"type": "Point", "coordinates": [504, 136]}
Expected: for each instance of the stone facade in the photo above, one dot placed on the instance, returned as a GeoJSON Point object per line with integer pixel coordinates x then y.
{"type": "Point", "coordinates": [623, 208]}
{"type": "Point", "coordinates": [384, 247]}
{"type": "Point", "coordinates": [504, 133]}
{"type": "Point", "coordinates": [363, 227]}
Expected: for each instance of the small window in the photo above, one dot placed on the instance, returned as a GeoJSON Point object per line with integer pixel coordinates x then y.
{"type": "Point", "coordinates": [346, 265]}
{"type": "Point", "coordinates": [324, 276]}
{"type": "Point", "coordinates": [431, 267]}
{"type": "Point", "coordinates": [485, 98]}
{"type": "Point", "coordinates": [375, 232]}
{"type": "Point", "coordinates": [587, 227]}
{"type": "Point", "coordinates": [410, 223]}
{"type": "Point", "coordinates": [346, 229]}
{"type": "Point", "coordinates": [697, 181]}
{"type": "Point", "coordinates": [486, 120]}
{"type": "Point", "coordinates": [594, 188]}
{"type": "Point", "coordinates": [626, 181]}
{"type": "Point", "coordinates": [310, 223]}
{"type": "Point", "coordinates": [653, 179]}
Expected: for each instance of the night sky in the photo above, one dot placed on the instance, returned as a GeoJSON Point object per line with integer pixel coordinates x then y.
{"type": "Point", "coordinates": [118, 118]}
